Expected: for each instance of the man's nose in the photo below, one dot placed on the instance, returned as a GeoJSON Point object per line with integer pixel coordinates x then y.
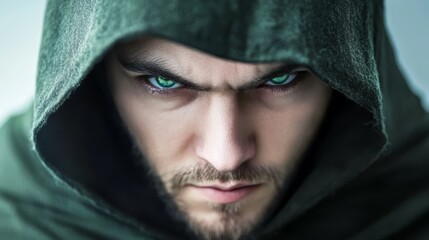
{"type": "Point", "coordinates": [225, 141]}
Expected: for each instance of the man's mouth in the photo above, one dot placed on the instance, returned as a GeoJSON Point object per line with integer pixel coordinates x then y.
{"type": "Point", "coordinates": [226, 193]}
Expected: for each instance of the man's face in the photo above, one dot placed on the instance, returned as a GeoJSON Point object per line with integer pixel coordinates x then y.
{"type": "Point", "coordinates": [222, 136]}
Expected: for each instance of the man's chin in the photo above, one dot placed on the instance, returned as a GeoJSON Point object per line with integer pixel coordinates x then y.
{"type": "Point", "coordinates": [211, 220]}
{"type": "Point", "coordinates": [225, 214]}
{"type": "Point", "coordinates": [222, 221]}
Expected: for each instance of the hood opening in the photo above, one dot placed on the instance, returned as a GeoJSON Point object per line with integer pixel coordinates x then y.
{"type": "Point", "coordinates": [85, 144]}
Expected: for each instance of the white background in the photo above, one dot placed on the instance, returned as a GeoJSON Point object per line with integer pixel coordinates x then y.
{"type": "Point", "coordinates": [21, 28]}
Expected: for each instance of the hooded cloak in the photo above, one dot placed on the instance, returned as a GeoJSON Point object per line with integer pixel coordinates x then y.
{"type": "Point", "coordinates": [67, 169]}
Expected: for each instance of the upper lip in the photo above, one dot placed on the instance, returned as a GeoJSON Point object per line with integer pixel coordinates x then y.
{"type": "Point", "coordinates": [227, 187]}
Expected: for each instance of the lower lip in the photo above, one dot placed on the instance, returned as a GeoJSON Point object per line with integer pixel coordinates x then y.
{"type": "Point", "coordinates": [226, 196]}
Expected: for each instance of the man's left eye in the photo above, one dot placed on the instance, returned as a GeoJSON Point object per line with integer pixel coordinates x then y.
{"type": "Point", "coordinates": [281, 80]}
{"type": "Point", "coordinates": [163, 83]}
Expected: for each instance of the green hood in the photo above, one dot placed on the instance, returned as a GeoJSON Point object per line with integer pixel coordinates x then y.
{"type": "Point", "coordinates": [343, 42]}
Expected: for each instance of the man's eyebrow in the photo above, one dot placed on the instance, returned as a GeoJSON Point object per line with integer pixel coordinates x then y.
{"type": "Point", "coordinates": [159, 68]}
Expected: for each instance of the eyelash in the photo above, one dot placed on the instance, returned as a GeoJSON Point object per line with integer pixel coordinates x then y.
{"type": "Point", "coordinates": [171, 92]}
{"type": "Point", "coordinates": [288, 87]}
{"type": "Point", "coordinates": [161, 92]}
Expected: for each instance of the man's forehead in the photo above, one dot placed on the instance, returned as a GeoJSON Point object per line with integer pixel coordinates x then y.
{"type": "Point", "coordinates": [202, 68]}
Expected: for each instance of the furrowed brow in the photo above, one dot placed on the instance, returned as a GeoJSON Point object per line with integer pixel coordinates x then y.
{"type": "Point", "coordinates": [158, 68]}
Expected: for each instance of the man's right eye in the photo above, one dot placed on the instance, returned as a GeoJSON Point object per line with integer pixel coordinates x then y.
{"type": "Point", "coordinates": [163, 83]}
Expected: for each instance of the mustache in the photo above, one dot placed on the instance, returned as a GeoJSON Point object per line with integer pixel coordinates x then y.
{"type": "Point", "coordinates": [207, 173]}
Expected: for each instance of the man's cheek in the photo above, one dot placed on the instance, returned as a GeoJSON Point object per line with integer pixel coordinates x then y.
{"type": "Point", "coordinates": [164, 154]}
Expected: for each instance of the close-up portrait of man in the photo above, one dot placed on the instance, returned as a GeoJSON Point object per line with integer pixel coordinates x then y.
{"type": "Point", "coordinates": [168, 119]}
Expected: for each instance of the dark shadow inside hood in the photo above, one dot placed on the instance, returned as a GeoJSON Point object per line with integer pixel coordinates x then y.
{"type": "Point", "coordinates": [85, 144]}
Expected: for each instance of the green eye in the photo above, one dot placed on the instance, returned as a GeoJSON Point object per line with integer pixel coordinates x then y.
{"type": "Point", "coordinates": [282, 80]}
{"type": "Point", "coordinates": [163, 83]}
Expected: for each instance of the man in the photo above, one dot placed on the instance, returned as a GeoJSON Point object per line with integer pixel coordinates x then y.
{"type": "Point", "coordinates": [216, 120]}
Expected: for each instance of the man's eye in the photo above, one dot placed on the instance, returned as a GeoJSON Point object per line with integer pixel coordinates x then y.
{"type": "Point", "coordinates": [163, 83]}
{"type": "Point", "coordinates": [282, 80]}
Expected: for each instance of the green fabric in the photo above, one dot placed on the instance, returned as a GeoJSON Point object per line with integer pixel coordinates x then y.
{"type": "Point", "coordinates": [370, 159]}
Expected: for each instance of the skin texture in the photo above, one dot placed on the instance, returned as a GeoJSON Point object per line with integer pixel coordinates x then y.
{"type": "Point", "coordinates": [216, 133]}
